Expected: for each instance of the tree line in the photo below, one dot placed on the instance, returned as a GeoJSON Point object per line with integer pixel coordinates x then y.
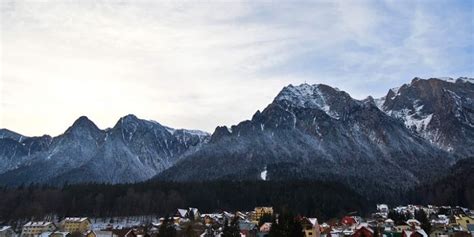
{"type": "Point", "coordinates": [309, 198]}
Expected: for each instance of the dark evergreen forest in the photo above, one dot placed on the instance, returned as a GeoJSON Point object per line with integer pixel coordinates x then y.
{"type": "Point", "coordinates": [309, 198]}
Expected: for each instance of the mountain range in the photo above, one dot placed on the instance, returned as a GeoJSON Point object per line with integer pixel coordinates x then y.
{"type": "Point", "coordinates": [413, 134]}
{"type": "Point", "coordinates": [133, 150]}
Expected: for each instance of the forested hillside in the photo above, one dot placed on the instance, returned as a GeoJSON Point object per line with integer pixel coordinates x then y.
{"type": "Point", "coordinates": [324, 200]}
{"type": "Point", "coordinates": [457, 188]}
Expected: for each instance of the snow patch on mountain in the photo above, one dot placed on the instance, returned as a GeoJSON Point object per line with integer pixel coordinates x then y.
{"type": "Point", "coordinates": [452, 80]}
{"type": "Point", "coordinates": [263, 174]}
{"type": "Point", "coordinates": [413, 118]}
{"type": "Point", "coordinates": [379, 102]}
{"type": "Point", "coordinates": [438, 109]}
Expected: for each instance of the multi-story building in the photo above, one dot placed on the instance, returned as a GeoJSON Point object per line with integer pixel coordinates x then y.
{"type": "Point", "coordinates": [7, 231]}
{"type": "Point", "coordinates": [35, 228]}
{"type": "Point", "coordinates": [76, 224]}
{"type": "Point", "coordinates": [464, 221]}
{"type": "Point", "coordinates": [259, 212]}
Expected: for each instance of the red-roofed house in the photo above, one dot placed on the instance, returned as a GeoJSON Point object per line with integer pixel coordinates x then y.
{"type": "Point", "coordinates": [348, 220]}
{"type": "Point", "coordinates": [414, 233]}
{"type": "Point", "coordinates": [363, 231]}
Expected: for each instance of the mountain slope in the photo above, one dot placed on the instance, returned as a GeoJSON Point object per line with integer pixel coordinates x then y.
{"type": "Point", "coordinates": [455, 189]}
{"type": "Point", "coordinates": [16, 149]}
{"type": "Point", "coordinates": [133, 150]}
{"type": "Point", "coordinates": [441, 110]}
{"type": "Point", "coordinates": [316, 132]}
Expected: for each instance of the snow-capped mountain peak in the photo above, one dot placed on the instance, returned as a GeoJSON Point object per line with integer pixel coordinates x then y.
{"type": "Point", "coordinates": [431, 107]}
{"type": "Point", "coordinates": [304, 95]}
{"type": "Point", "coordinates": [316, 96]}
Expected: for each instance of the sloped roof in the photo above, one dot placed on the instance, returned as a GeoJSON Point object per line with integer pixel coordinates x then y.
{"type": "Point", "coordinates": [314, 221]}
{"type": "Point", "coordinates": [38, 223]}
{"type": "Point", "coordinates": [365, 226]}
{"type": "Point", "coordinates": [3, 228]}
{"type": "Point", "coordinates": [182, 212]}
{"type": "Point", "coordinates": [420, 231]}
{"type": "Point", "coordinates": [75, 219]}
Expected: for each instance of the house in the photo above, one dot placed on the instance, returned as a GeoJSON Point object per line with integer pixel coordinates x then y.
{"type": "Point", "coordinates": [59, 234]}
{"type": "Point", "coordinates": [190, 213]}
{"type": "Point", "coordinates": [193, 213]}
{"type": "Point", "coordinates": [104, 233]}
{"type": "Point", "coordinates": [124, 232]}
{"type": "Point", "coordinates": [176, 220]}
{"type": "Point", "coordinates": [440, 221]}
{"type": "Point", "coordinates": [455, 230]}
{"type": "Point", "coordinates": [463, 221]}
{"type": "Point", "coordinates": [89, 233]}
{"type": "Point", "coordinates": [241, 215]}
{"type": "Point", "coordinates": [389, 223]}
{"type": "Point", "coordinates": [210, 219]}
{"type": "Point", "coordinates": [391, 232]}
{"type": "Point", "coordinates": [382, 208]}
{"type": "Point", "coordinates": [55, 234]}
{"type": "Point", "coordinates": [248, 229]}
{"type": "Point", "coordinates": [265, 228]}
{"type": "Point", "coordinates": [7, 231]}
{"type": "Point", "coordinates": [348, 220]}
{"type": "Point", "coordinates": [401, 228]}
{"type": "Point", "coordinates": [261, 211]}
{"type": "Point", "coordinates": [75, 224]}
{"type": "Point", "coordinates": [413, 222]}
{"type": "Point", "coordinates": [325, 230]}
{"type": "Point", "coordinates": [414, 233]}
{"type": "Point", "coordinates": [348, 231]}
{"type": "Point", "coordinates": [470, 228]}
{"type": "Point", "coordinates": [35, 228]}
{"type": "Point", "coordinates": [310, 227]}
{"type": "Point", "coordinates": [439, 233]}
{"type": "Point", "coordinates": [363, 230]}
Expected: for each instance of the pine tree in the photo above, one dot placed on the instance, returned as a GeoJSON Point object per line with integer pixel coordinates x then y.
{"type": "Point", "coordinates": [286, 226]}
{"type": "Point", "coordinates": [189, 230]}
{"type": "Point", "coordinates": [265, 218]}
{"type": "Point", "coordinates": [167, 228]}
{"type": "Point", "coordinates": [422, 217]}
{"type": "Point", "coordinates": [232, 229]}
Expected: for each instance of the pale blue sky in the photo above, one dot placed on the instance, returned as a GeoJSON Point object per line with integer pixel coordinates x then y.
{"type": "Point", "coordinates": [199, 64]}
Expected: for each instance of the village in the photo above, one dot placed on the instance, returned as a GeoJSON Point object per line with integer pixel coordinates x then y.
{"type": "Point", "coordinates": [400, 221]}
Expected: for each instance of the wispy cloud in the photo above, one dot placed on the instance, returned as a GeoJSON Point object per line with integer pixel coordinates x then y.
{"type": "Point", "coordinates": [203, 64]}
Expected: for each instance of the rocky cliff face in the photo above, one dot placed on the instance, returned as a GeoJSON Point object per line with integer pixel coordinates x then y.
{"type": "Point", "coordinates": [441, 110]}
{"type": "Point", "coordinates": [133, 150]}
{"type": "Point", "coordinates": [16, 149]}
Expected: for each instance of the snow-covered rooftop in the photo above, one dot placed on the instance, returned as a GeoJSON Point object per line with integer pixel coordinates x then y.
{"type": "Point", "coordinates": [37, 223]}
{"type": "Point", "coordinates": [75, 219]}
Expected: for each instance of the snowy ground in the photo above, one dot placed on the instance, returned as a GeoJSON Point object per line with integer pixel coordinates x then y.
{"type": "Point", "coordinates": [121, 222]}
